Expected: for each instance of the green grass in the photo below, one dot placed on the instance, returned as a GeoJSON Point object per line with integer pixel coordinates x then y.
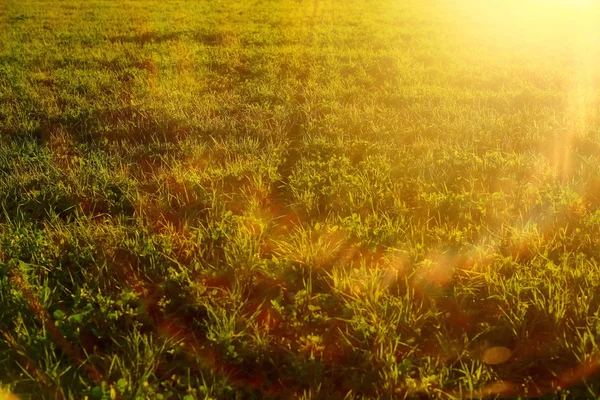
{"type": "Point", "coordinates": [298, 199]}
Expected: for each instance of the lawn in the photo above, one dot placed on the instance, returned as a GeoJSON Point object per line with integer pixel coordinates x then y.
{"type": "Point", "coordinates": [305, 199]}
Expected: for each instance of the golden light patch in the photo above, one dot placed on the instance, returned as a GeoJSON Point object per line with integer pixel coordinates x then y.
{"type": "Point", "coordinates": [499, 388]}
{"type": "Point", "coordinates": [7, 395]}
{"type": "Point", "coordinates": [396, 269]}
{"type": "Point", "coordinates": [575, 3]}
{"type": "Point", "coordinates": [536, 25]}
{"type": "Point", "coordinates": [437, 272]}
{"type": "Point", "coordinates": [496, 355]}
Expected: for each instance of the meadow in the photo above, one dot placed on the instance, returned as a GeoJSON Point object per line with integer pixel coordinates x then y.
{"type": "Point", "coordinates": [299, 199]}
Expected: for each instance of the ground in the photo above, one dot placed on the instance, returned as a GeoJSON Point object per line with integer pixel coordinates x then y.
{"type": "Point", "coordinates": [311, 199]}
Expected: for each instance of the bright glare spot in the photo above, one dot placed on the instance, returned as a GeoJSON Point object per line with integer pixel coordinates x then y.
{"type": "Point", "coordinates": [540, 23]}
{"type": "Point", "coordinates": [574, 2]}
{"type": "Point", "coordinates": [496, 355]}
{"type": "Point", "coordinates": [561, 3]}
{"type": "Point", "coordinates": [6, 395]}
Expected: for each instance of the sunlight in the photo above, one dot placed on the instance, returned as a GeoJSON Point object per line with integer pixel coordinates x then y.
{"type": "Point", "coordinates": [573, 3]}
{"type": "Point", "coordinates": [558, 3]}
{"type": "Point", "coordinates": [7, 395]}
{"type": "Point", "coordinates": [547, 21]}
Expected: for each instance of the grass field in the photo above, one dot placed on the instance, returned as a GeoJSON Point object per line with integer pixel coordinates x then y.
{"type": "Point", "coordinates": [310, 199]}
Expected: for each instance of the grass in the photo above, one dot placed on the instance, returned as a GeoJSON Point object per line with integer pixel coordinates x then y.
{"type": "Point", "coordinates": [299, 199]}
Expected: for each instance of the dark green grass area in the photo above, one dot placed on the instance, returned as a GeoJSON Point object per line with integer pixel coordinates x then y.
{"type": "Point", "coordinates": [311, 199]}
